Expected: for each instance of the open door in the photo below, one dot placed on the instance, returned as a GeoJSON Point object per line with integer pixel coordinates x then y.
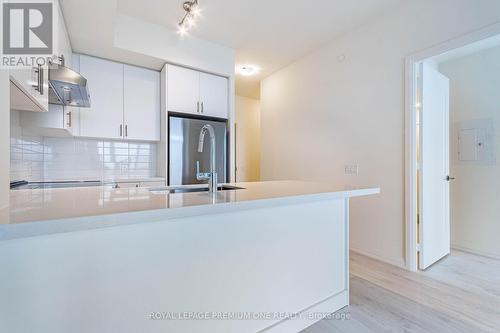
{"type": "Point", "coordinates": [434, 189]}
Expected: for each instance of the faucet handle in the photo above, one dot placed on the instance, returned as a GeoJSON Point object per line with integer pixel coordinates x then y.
{"type": "Point", "coordinates": [201, 175]}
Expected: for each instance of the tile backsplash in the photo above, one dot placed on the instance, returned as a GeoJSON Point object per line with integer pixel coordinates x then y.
{"type": "Point", "coordinates": [47, 159]}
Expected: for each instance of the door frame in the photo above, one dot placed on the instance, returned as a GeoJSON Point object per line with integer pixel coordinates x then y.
{"type": "Point", "coordinates": [411, 167]}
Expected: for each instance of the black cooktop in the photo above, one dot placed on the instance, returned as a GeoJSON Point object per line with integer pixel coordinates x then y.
{"type": "Point", "coordinates": [24, 185]}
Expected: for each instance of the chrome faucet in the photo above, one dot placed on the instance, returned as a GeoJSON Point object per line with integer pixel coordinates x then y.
{"type": "Point", "coordinates": [212, 175]}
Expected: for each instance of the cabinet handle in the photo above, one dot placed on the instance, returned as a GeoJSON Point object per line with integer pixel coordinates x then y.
{"type": "Point", "coordinates": [126, 130]}
{"type": "Point", "coordinates": [40, 78]}
{"type": "Point", "coordinates": [198, 107]}
{"type": "Point", "coordinates": [37, 72]}
{"type": "Point", "coordinates": [69, 119]}
{"type": "Point", "coordinates": [121, 130]}
{"type": "Point", "coordinates": [201, 107]}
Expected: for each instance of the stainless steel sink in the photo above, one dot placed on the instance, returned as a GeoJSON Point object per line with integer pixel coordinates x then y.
{"type": "Point", "coordinates": [189, 189]}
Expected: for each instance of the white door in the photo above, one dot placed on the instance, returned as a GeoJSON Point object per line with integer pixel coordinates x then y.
{"type": "Point", "coordinates": [435, 157]}
{"type": "Point", "coordinates": [183, 90]}
{"type": "Point", "coordinates": [141, 103]}
{"type": "Point", "coordinates": [213, 95]}
{"type": "Point", "coordinates": [104, 119]}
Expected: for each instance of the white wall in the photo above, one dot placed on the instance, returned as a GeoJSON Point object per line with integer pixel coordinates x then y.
{"type": "Point", "coordinates": [474, 94]}
{"type": "Point", "coordinates": [344, 104]}
{"type": "Point", "coordinates": [247, 112]}
{"type": "Point", "coordinates": [4, 138]}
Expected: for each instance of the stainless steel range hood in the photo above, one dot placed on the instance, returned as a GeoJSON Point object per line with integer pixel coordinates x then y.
{"type": "Point", "coordinates": [67, 87]}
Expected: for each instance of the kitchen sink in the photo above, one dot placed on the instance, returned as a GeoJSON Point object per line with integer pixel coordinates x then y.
{"type": "Point", "coordinates": [189, 189]}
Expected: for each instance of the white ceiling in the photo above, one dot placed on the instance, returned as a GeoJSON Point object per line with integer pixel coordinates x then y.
{"type": "Point", "coordinates": [267, 33]}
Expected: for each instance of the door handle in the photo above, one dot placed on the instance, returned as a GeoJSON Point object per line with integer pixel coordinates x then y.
{"type": "Point", "coordinates": [448, 178]}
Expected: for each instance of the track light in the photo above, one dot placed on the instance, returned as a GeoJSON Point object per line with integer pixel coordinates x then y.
{"type": "Point", "coordinates": [188, 21]}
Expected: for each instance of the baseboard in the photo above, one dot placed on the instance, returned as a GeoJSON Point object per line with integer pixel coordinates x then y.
{"type": "Point", "coordinates": [316, 312]}
{"type": "Point", "coordinates": [478, 253]}
{"type": "Point", "coordinates": [393, 262]}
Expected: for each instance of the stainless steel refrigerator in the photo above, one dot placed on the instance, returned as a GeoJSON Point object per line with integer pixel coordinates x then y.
{"type": "Point", "coordinates": [183, 150]}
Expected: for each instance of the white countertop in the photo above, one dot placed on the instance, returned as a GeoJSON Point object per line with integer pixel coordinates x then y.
{"type": "Point", "coordinates": [50, 211]}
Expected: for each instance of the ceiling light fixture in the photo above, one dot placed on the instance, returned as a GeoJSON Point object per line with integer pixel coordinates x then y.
{"type": "Point", "coordinates": [188, 21]}
{"type": "Point", "coordinates": [247, 70]}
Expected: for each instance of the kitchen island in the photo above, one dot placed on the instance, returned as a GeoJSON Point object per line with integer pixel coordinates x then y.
{"type": "Point", "coordinates": [270, 256]}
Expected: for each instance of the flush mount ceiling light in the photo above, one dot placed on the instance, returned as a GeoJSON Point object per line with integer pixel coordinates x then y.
{"type": "Point", "coordinates": [247, 70]}
{"type": "Point", "coordinates": [188, 21]}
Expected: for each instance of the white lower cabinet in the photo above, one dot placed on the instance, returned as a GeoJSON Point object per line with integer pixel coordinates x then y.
{"type": "Point", "coordinates": [153, 184]}
{"type": "Point", "coordinates": [125, 184]}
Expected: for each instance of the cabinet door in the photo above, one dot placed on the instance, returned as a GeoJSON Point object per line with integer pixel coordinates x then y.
{"type": "Point", "coordinates": [41, 94]}
{"type": "Point", "coordinates": [127, 185]}
{"type": "Point", "coordinates": [62, 44]}
{"type": "Point", "coordinates": [141, 103]}
{"type": "Point", "coordinates": [152, 184]}
{"type": "Point", "coordinates": [27, 81]}
{"type": "Point", "coordinates": [57, 122]}
{"type": "Point", "coordinates": [183, 88]}
{"type": "Point", "coordinates": [104, 119]}
{"type": "Point", "coordinates": [213, 95]}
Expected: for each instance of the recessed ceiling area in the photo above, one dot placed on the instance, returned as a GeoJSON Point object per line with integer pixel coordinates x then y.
{"type": "Point", "coordinates": [269, 34]}
{"type": "Point", "coordinates": [467, 50]}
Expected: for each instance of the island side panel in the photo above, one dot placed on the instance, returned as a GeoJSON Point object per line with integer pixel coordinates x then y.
{"type": "Point", "coordinates": [288, 259]}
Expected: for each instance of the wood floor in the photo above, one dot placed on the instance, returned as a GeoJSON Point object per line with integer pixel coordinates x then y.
{"type": "Point", "coordinates": [461, 293]}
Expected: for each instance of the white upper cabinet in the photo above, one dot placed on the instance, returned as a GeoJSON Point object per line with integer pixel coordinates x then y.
{"type": "Point", "coordinates": [59, 121]}
{"type": "Point", "coordinates": [124, 99]}
{"type": "Point", "coordinates": [62, 45]}
{"type": "Point", "coordinates": [213, 95]}
{"type": "Point", "coordinates": [183, 90]}
{"type": "Point", "coordinates": [190, 91]}
{"type": "Point", "coordinates": [104, 119]}
{"type": "Point", "coordinates": [141, 104]}
{"type": "Point", "coordinates": [30, 84]}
